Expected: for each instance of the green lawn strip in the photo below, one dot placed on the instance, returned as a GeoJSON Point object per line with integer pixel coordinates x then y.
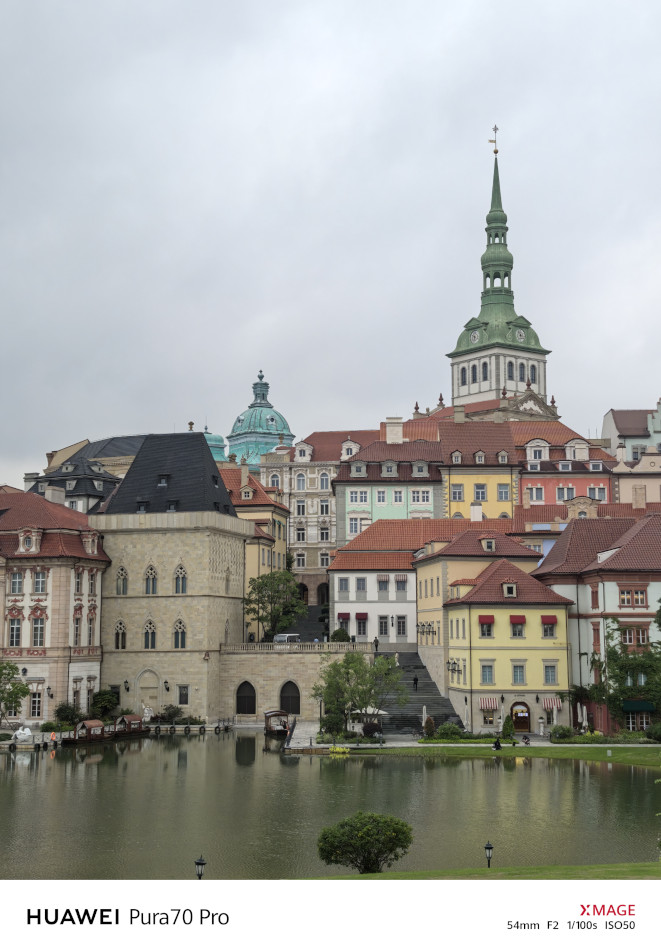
{"type": "Point", "coordinates": [628, 755]}
{"type": "Point", "coordinates": [628, 870]}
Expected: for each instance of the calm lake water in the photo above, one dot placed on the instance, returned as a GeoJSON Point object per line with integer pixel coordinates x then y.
{"type": "Point", "coordinates": [146, 808]}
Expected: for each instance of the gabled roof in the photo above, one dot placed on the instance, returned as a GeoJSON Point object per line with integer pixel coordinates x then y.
{"type": "Point", "coordinates": [469, 545]}
{"type": "Point", "coordinates": [193, 480]}
{"type": "Point", "coordinates": [638, 549]}
{"type": "Point", "coordinates": [417, 451]}
{"type": "Point", "coordinates": [578, 545]}
{"type": "Point", "coordinates": [631, 422]}
{"type": "Point", "coordinates": [489, 588]}
{"type": "Point", "coordinates": [412, 534]}
{"type": "Point", "coordinates": [327, 446]}
{"type": "Point", "coordinates": [233, 481]}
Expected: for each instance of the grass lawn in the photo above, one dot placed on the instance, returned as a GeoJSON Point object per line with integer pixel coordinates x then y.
{"type": "Point", "coordinates": [629, 755]}
{"type": "Point", "coordinates": [629, 870]}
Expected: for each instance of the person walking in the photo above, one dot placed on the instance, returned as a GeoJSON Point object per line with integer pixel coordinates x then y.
{"type": "Point", "coordinates": [415, 682]}
{"type": "Point", "coordinates": [375, 642]}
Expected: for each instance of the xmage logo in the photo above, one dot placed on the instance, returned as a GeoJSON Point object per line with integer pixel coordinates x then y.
{"type": "Point", "coordinates": [605, 911]}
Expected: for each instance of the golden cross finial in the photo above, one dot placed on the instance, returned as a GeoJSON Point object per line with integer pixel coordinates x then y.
{"type": "Point", "coordinates": [493, 141]}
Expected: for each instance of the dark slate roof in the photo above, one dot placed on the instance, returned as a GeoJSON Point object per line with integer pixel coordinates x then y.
{"type": "Point", "coordinates": [631, 422]}
{"type": "Point", "coordinates": [110, 447]}
{"type": "Point", "coordinates": [189, 469]}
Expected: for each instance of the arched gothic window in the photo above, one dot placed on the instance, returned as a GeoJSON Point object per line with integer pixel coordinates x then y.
{"type": "Point", "coordinates": [510, 369]}
{"type": "Point", "coordinates": [485, 371]}
{"type": "Point", "coordinates": [120, 636]}
{"type": "Point", "coordinates": [180, 580]}
{"type": "Point", "coordinates": [246, 698]}
{"type": "Point", "coordinates": [522, 373]}
{"type": "Point", "coordinates": [463, 376]}
{"type": "Point", "coordinates": [122, 581]}
{"type": "Point", "coordinates": [533, 374]}
{"type": "Point", "coordinates": [151, 578]}
{"type": "Point", "coordinates": [179, 635]}
{"type": "Point", "coordinates": [474, 373]}
{"type": "Point", "coordinates": [150, 636]}
{"type": "Point", "coordinates": [290, 698]}
{"type": "Point", "coordinates": [324, 482]}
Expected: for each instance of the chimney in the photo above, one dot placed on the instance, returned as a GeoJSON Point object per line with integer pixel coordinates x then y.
{"type": "Point", "coordinates": [460, 414]}
{"type": "Point", "coordinates": [245, 473]}
{"type": "Point", "coordinates": [476, 511]}
{"type": "Point", "coordinates": [394, 429]}
{"type": "Point", "coordinates": [621, 452]}
{"type": "Point", "coordinates": [55, 493]}
{"type": "Point", "coordinates": [639, 497]}
{"type": "Point", "coordinates": [29, 480]}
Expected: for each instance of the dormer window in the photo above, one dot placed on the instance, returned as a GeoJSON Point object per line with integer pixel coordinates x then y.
{"type": "Point", "coordinates": [68, 468]}
{"type": "Point", "coordinates": [70, 486]}
{"type": "Point", "coordinates": [502, 458]}
{"type": "Point", "coordinates": [349, 452]}
{"type": "Point", "coordinates": [595, 467]}
{"type": "Point", "coordinates": [98, 485]}
{"type": "Point", "coordinates": [172, 505]}
{"type": "Point", "coordinates": [489, 544]}
{"type": "Point", "coordinates": [162, 480]}
{"type": "Point", "coordinates": [142, 507]}
{"type": "Point", "coordinates": [246, 494]}
{"type": "Point", "coordinates": [301, 453]}
{"type": "Point", "coordinates": [27, 542]}
{"type": "Point", "coordinates": [565, 466]}
{"type": "Point", "coordinates": [509, 589]}
{"type": "Point", "coordinates": [533, 467]}
{"type": "Point", "coordinates": [479, 458]}
{"type": "Point", "coordinates": [456, 458]}
{"type": "Point", "coordinates": [42, 487]}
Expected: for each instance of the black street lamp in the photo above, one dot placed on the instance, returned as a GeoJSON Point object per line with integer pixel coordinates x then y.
{"type": "Point", "coordinates": [488, 851]}
{"type": "Point", "coordinates": [199, 867]}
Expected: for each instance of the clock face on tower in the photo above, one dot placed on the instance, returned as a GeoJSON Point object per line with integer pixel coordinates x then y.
{"type": "Point", "coordinates": [475, 336]}
{"type": "Point", "coordinates": [520, 335]}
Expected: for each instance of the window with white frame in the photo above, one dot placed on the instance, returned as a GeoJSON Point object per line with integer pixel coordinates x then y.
{"type": "Point", "coordinates": [382, 584]}
{"type": "Point", "coordinates": [353, 497]}
{"type": "Point", "coordinates": [548, 630]}
{"type": "Point", "coordinates": [480, 492]}
{"type": "Point", "coordinates": [35, 705]}
{"type": "Point", "coordinates": [324, 482]}
{"type": "Point", "coordinates": [17, 582]}
{"type": "Point", "coordinates": [361, 584]}
{"type": "Point", "coordinates": [342, 584]}
{"type": "Point", "coordinates": [91, 587]}
{"type": "Point", "coordinates": [415, 495]}
{"type": "Point", "coordinates": [361, 627]}
{"type": "Point", "coordinates": [324, 559]}
{"type": "Point", "coordinates": [486, 629]}
{"type": "Point", "coordinates": [486, 673]}
{"type": "Point", "coordinates": [503, 492]}
{"type": "Point", "coordinates": [15, 632]}
{"type": "Point", "coordinates": [401, 625]}
{"type": "Point", "coordinates": [380, 495]}
{"type": "Point", "coordinates": [38, 627]}
{"type": "Point", "coordinates": [424, 495]}
{"type": "Point", "coordinates": [324, 534]}
{"type": "Point", "coordinates": [76, 632]}
{"type": "Point", "coordinates": [397, 495]}
{"type": "Point", "coordinates": [383, 626]}
{"type": "Point", "coordinates": [550, 675]}
{"type": "Point", "coordinates": [518, 673]}
{"type": "Point", "coordinates": [90, 630]}
{"type": "Point", "coordinates": [362, 497]}
{"type": "Point", "coordinates": [517, 629]}
{"type": "Point", "coordinates": [565, 493]}
{"type": "Point", "coordinates": [536, 493]}
{"type": "Point", "coordinates": [479, 458]}
{"type": "Point", "coordinates": [324, 507]}
{"type": "Point", "coordinates": [300, 559]}
{"type": "Point", "coordinates": [597, 492]}
{"type": "Point", "coordinates": [300, 506]}
{"type": "Point", "coordinates": [457, 492]}
{"type": "Point", "coordinates": [353, 526]}
{"type": "Point", "coordinates": [300, 482]}
{"type": "Point", "coordinates": [300, 533]}
{"type": "Point", "coordinates": [275, 481]}
{"type": "Point", "coordinates": [400, 584]}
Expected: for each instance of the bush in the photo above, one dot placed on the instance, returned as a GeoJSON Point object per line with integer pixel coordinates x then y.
{"type": "Point", "coordinates": [340, 635]}
{"type": "Point", "coordinates": [49, 726]}
{"type": "Point", "coordinates": [366, 841]}
{"type": "Point", "coordinates": [68, 713]}
{"type": "Point", "coordinates": [448, 731]}
{"type": "Point", "coordinates": [171, 712]}
{"type": "Point", "coordinates": [508, 728]}
{"type": "Point", "coordinates": [653, 732]}
{"type": "Point", "coordinates": [371, 728]}
{"type": "Point", "coordinates": [429, 727]}
{"type": "Point", "coordinates": [561, 732]}
{"type": "Point", "coordinates": [332, 722]}
{"type": "Point", "coordinates": [103, 703]}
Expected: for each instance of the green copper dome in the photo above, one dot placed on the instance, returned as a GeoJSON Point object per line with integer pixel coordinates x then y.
{"type": "Point", "coordinates": [216, 445]}
{"type": "Point", "coordinates": [497, 324]}
{"type": "Point", "coordinates": [258, 429]}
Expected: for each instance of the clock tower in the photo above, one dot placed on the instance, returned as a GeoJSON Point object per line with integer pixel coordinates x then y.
{"type": "Point", "coordinates": [498, 354]}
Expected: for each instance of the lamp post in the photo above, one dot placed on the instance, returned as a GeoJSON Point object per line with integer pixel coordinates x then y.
{"type": "Point", "coordinates": [199, 868]}
{"type": "Point", "coordinates": [488, 851]}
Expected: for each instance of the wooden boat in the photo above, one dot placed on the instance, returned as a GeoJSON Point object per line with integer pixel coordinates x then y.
{"type": "Point", "coordinates": [130, 724]}
{"type": "Point", "coordinates": [276, 723]}
{"type": "Point", "coordinates": [87, 731]}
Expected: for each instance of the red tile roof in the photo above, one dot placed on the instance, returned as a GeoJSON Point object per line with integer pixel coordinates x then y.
{"type": "Point", "coordinates": [469, 545]}
{"type": "Point", "coordinates": [233, 480]}
{"type": "Point", "coordinates": [371, 561]}
{"type": "Point", "coordinates": [327, 446]}
{"type": "Point", "coordinates": [489, 588]}
{"type": "Point", "coordinates": [578, 545]}
{"type": "Point", "coordinates": [638, 549]}
{"type": "Point", "coordinates": [61, 527]}
{"type": "Point", "coordinates": [412, 534]}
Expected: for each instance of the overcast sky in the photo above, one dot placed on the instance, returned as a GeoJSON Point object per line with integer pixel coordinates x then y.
{"type": "Point", "coordinates": [194, 191]}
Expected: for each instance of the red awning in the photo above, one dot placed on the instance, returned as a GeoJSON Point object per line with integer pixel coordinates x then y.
{"type": "Point", "coordinates": [550, 702]}
{"type": "Point", "coordinates": [361, 617]}
{"type": "Point", "coordinates": [485, 618]}
{"type": "Point", "coordinates": [517, 619]}
{"type": "Point", "coordinates": [549, 619]}
{"type": "Point", "coordinates": [344, 617]}
{"type": "Point", "coordinates": [488, 703]}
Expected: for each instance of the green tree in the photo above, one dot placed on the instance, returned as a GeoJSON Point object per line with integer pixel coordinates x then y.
{"type": "Point", "coordinates": [103, 703]}
{"type": "Point", "coordinates": [626, 674]}
{"type": "Point", "coordinates": [273, 601]}
{"type": "Point", "coordinates": [12, 690]}
{"type": "Point", "coordinates": [366, 841]}
{"type": "Point", "coordinates": [353, 684]}
{"type": "Point", "coordinates": [68, 713]}
{"type": "Point", "coordinates": [339, 634]}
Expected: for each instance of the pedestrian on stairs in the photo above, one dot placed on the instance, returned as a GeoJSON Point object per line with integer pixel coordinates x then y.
{"type": "Point", "coordinates": [415, 682]}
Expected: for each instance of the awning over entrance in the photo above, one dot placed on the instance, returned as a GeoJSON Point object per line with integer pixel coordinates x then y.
{"type": "Point", "coordinates": [638, 706]}
{"type": "Point", "coordinates": [550, 702]}
{"type": "Point", "coordinates": [488, 703]}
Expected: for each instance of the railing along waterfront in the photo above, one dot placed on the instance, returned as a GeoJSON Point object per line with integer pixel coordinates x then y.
{"type": "Point", "coordinates": [340, 647]}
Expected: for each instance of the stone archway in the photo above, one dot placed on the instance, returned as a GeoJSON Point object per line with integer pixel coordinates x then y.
{"type": "Point", "coordinates": [323, 593]}
{"type": "Point", "coordinates": [520, 713]}
{"type": "Point", "coordinates": [147, 690]}
{"type": "Point", "coordinates": [303, 592]}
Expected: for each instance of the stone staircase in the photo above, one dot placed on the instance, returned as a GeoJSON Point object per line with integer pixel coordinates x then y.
{"type": "Point", "coordinates": [408, 718]}
{"type": "Point", "coordinates": [308, 626]}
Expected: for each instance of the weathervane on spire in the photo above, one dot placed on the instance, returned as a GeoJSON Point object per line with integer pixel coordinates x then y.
{"type": "Point", "coordinates": [493, 141]}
